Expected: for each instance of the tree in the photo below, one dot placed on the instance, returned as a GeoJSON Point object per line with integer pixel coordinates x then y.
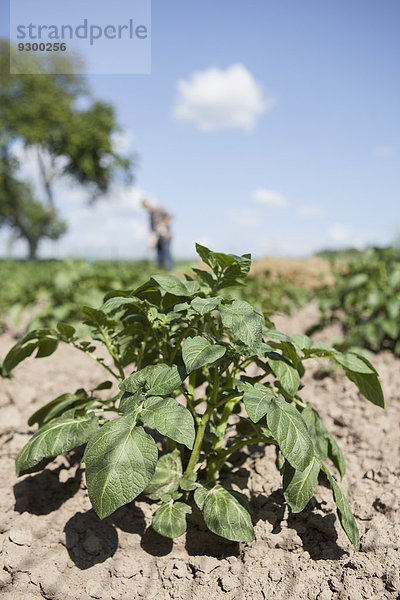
{"type": "Point", "coordinates": [27, 217]}
{"type": "Point", "coordinates": [44, 112]}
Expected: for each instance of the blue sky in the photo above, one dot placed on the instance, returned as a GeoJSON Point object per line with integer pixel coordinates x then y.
{"type": "Point", "coordinates": [264, 126]}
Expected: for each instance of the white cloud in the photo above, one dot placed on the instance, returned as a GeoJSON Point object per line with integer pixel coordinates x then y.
{"type": "Point", "coordinates": [384, 151]}
{"type": "Point", "coordinates": [311, 211]}
{"type": "Point", "coordinates": [270, 197]}
{"type": "Point", "coordinates": [217, 99]}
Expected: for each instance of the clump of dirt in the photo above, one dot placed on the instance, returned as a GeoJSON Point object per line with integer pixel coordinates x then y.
{"type": "Point", "coordinates": [55, 547]}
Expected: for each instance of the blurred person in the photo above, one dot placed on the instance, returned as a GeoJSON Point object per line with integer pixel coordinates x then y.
{"type": "Point", "coordinates": [160, 233]}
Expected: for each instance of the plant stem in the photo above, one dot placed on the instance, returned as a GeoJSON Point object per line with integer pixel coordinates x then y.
{"type": "Point", "coordinates": [217, 462]}
{"type": "Point", "coordinates": [194, 457]}
{"type": "Point", "coordinates": [109, 345]}
{"type": "Point", "coordinates": [299, 402]}
{"type": "Point", "coordinates": [140, 356]}
{"type": "Point", "coordinates": [189, 395]}
{"type": "Point", "coordinates": [98, 360]}
{"type": "Point", "coordinates": [223, 423]}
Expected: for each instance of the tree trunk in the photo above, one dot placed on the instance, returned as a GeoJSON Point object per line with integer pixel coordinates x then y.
{"type": "Point", "coordinates": [33, 244]}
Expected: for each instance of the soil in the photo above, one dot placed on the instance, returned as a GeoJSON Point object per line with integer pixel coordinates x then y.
{"type": "Point", "coordinates": [311, 273]}
{"type": "Point", "coordinates": [55, 547]}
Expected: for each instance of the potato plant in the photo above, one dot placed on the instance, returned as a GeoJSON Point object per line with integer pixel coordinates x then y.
{"type": "Point", "coordinates": [365, 301]}
{"type": "Point", "coordinates": [208, 373]}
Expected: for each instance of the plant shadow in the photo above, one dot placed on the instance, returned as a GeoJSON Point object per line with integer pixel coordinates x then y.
{"type": "Point", "coordinates": [317, 532]}
{"type": "Point", "coordinates": [43, 493]}
{"type": "Point", "coordinates": [90, 541]}
{"type": "Point", "coordinates": [268, 508]}
{"type": "Point", "coordinates": [200, 541]}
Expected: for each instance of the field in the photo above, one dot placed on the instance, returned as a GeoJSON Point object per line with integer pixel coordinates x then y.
{"type": "Point", "coordinates": [55, 546]}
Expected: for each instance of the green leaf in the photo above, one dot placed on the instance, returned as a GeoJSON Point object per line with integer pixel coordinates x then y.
{"type": "Point", "coordinates": [224, 514]}
{"type": "Point", "coordinates": [181, 307]}
{"type": "Point", "coordinates": [200, 496]}
{"type": "Point", "coordinates": [96, 317]}
{"type": "Point", "coordinates": [170, 519]}
{"type": "Point", "coordinates": [154, 380]}
{"type": "Point", "coordinates": [205, 277]}
{"type": "Point", "coordinates": [298, 486]}
{"type": "Point", "coordinates": [27, 345]}
{"type": "Point", "coordinates": [169, 418]}
{"type": "Point", "coordinates": [105, 385]}
{"type": "Point", "coordinates": [336, 455]}
{"type": "Point", "coordinates": [120, 461]}
{"type": "Point", "coordinates": [166, 477]}
{"type": "Point", "coordinates": [130, 403]}
{"type": "Point", "coordinates": [244, 322]}
{"type": "Point", "coordinates": [275, 334]}
{"type": "Point", "coordinates": [188, 482]}
{"type": "Point", "coordinates": [205, 305]}
{"type": "Point", "coordinates": [324, 443]}
{"type": "Point", "coordinates": [357, 281]}
{"type": "Point", "coordinates": [46, 347]}
{"type": "Point", "coordinates": [204, 254]}
{"type": "Point", "coordinates": [58, 406]}
{"type": "Point", "coordinates": [352, 362]}
{"type": "Point", "coordinates": [118, 302]}
{"type": "Point", "coordinates": [229, 268]}
{"type": "Point", "coordinates": [66, 330]}
{"type": "Point", "coordinates": [285, 372]}
{"type": "Point", "coordinates": [290, 431]}
{"type": "Point", "coordinates": [345, 515]}
{"type": "Point", "coordinates": [317, 430]}
{"type": "Point", "coordinates": [175, 286]}
{"type": "Point", "coordinates": [369, 387]}
{"type": "Point", "coordinates": [302, 341]}
{"type": "Point", "coordinates": [198, 352]}
{"type": "Point", "coordinates": [257, 400]}
{"type": "Point", "coordinates": [56, 437]}
{"type": "Point", "coordinates": [289, 351]}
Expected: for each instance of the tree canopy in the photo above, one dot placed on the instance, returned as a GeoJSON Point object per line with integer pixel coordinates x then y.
{"type": "Point", "coordinates": [71, 134]}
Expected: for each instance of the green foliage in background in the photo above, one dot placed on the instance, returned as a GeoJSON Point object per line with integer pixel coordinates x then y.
{"type": "Point", "coordinates": [211, 375]}
{"type": "Point", "coordinates": [48, 291]}
{"type": "Point", "coordinates": [41, 293]}
{"type": "Point", "coordinates": [365, 301]}
{"type": "Point", "coordinates": [272, 295]}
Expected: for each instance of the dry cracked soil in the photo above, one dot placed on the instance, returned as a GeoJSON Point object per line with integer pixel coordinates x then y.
{"type": "Point", "coordinates": [54, 546]}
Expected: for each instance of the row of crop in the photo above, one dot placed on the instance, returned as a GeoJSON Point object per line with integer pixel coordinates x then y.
{"type": "Point", "coordinates": [45, 292]}
{"type": "Point", "coordinates": [365, 301]}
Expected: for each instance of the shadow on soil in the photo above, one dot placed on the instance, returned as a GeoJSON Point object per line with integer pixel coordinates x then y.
{"type": "Point", "coordinates": [43, 493]}
{"type": "Point", "coordinates": [90, 541]}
